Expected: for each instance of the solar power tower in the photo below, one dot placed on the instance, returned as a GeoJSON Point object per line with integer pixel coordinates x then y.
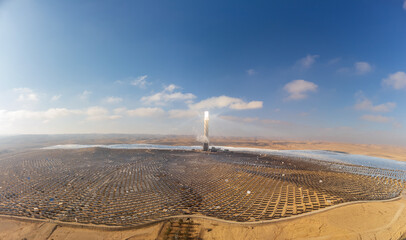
{"type": "Point", "coordinates": [206, 131]}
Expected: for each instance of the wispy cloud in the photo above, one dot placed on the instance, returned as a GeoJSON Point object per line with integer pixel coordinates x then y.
{"type": "Point", "coordinates": [404, 5]}
{"type": "Point", "coordinates": [253, 120]}
{"type": "Point", "coordinates": [146, 112]}
{"type": "Point", "coordinates": [171, 88]}
{"type": "Point", "coordinates": [364, 104]}
{"type": "Point", "coordinates": [171, 93]}
{"type": "Point", "coordinates": [167, 95]}
{"type": "Point", "coordinates": [362, 68]}
{"type": "Point", "coordinates": [26, 95]}
{"type": "Point", "coordinates": [376, 118]}
{"type": "Point", "coordinates": [113, 100]}
{"type": "Point", "coordinates": [334, 61]}
{"type": "Point", "coordinates": [91, 113]}
{"type": "Point", "coordinates": [359, 68]}
{"type": "Point", "coordinates": [396, 80]}
{"type": "Point", "coordinates": [99, 113]}
{"type": "Point", "coordinates": [45, 116]}
{"type": "Point", "coordinates": [226, 102]}
{"type": "Point", "coordinates": [119, 82]}
{"type": "Point", "coordinates": [56, 98]}
{"type": "Point", "coordinates": [120, 110]}
{"type": "Point", "coordinates": [140, 81]}
{"type": "Point", "coordinates": [251, 72]}
{"type": "Point", "coordinates": [85, 95]}
{"type": "Point", "coordinates": [307, 61]}
{"type": "Point", "coordinates": [299, 89]}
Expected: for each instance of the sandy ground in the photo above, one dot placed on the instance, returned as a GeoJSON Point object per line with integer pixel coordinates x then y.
{"type": "Point", "coordinates": [19, 230]}
{"type": "Point", "coordinates": [357, 221]}
{"type": "Point", "coordinates": [374, 220]}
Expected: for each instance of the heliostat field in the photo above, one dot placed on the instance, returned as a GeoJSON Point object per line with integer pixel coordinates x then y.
{"type": "Point", "coordinates": [123, 187]}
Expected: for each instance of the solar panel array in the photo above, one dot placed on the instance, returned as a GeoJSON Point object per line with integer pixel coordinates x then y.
{"type": "Point", "coordinates": [131, 187]}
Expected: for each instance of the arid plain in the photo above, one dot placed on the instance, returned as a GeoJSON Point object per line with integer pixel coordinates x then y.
{"type": "Point", "coordinates": [346, 220]}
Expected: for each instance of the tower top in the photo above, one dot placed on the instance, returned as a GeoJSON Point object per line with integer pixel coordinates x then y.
{"type": "Point", "coordinates": [206, 115]}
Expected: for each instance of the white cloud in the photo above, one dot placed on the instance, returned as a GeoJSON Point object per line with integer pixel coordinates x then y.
{"type": "Point", "coordinates": [376, 118]}
{"type": "Point", "coordinates": [308, 61]}
{"type": "Point", "coordinates": [254, 120]}
{"type": "Point", "coordinates": [404, 5]}
{"type": "Point", "coordinates": [92, 113]}
{"type": "Point", "coordinates": [171, 94]}
{"type": "Point", "coordinates": [26, 95]}
{"type": "Point", "coordinates": [96, 113]}
{"type": "Point", "coordinates": [365, 104]}
{"type": "Point", "coordinates": [167, 95]}
{"type": "Point", "coordinates": [140, 81]}
{"type": "Point", "coordinates": [251, 72]}
{"type": "Point", "coordinates": [241, 105]}
{"type": "Point", "coordinates": [113, 100]}
{"type": "Point", "coordinates": [99, 113]}
{"type": "Point", "coordinates": [362, 67]}
{"type": "Point", "coordinates": [60, 112]}
{"type": "Point", "coordinates": [45, 116]}
{"type": "Point", "coordinates": [85, 95]}
{"type": "Point", "coordinates": [170, 88]}
{"type": "Point", "coordinates": [396, 80]}
{"type": "Point", "coordinates": [114, 117]}
{"type": "Point", "coordinates": [55, 98]}
{"type": "Point", "coordinates": [146, 112]}
{"type": "Point", "coordinates": [120, 110]}
{"type": "Point", "coordinates": [225, 101]}
{"type": "Point", "coordinates": [298, 89]}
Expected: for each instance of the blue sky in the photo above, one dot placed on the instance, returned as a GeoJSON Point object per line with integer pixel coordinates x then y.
{"type": "Point", "coordinates": [306, 70]}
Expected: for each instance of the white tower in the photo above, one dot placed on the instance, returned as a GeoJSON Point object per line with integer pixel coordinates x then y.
{"type": "Point", "coordinates": [206, 131]}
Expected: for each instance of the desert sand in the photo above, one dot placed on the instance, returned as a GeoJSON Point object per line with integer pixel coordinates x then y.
{"type": "Point", "coordinates": [17, 229]}
{"type": "Point", "coordinates": [373, 220]}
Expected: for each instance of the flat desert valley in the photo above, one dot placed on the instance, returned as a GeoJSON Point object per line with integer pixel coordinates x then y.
{"type": "Point", "coordinates": [98, 193]}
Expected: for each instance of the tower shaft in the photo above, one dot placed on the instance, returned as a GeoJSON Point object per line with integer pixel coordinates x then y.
{"type": "Point", "coordinates": [206, 131]}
